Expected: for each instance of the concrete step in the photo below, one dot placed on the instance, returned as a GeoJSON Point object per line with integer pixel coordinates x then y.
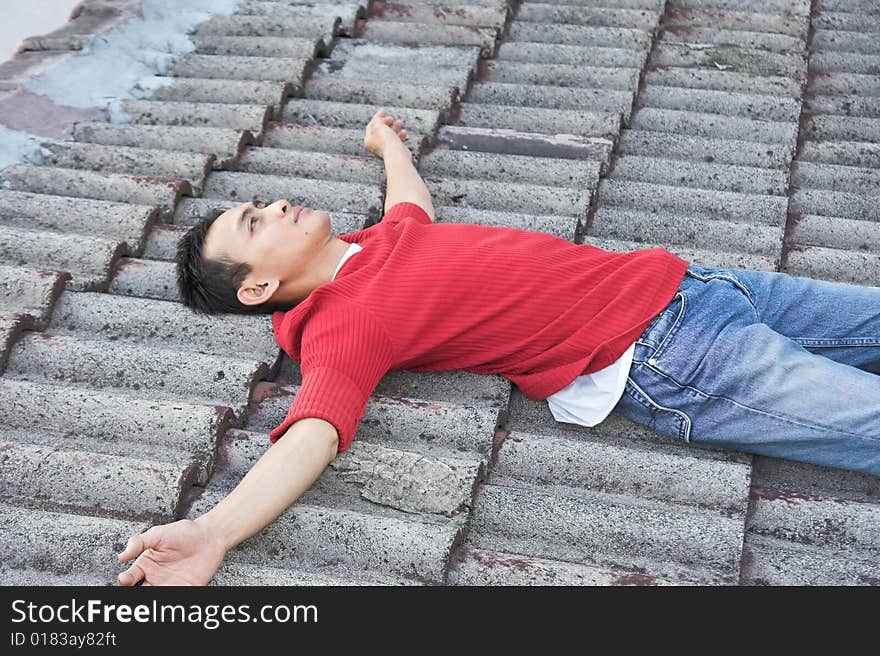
{"type": "Point", "coordinates": [157, 192]}
{"type": "Point", "coordinates": [91, 482]}
{"type": "Point", "coordinates": [537, 119]}
{"type": "Point", "coordinates": [609, 530]}
{"type": "Point", "coordinates": [859, 154]}
{"type": "Point", "coordinates": [143, 372]}
{"type": "Point", "coordinates": [662, 472]}
{"type": "Point", "coordinates": [347, 12]}
{"type": "Point", "coordinates": [749, 39]}
{"type": "Point", "coordinates": [471, 566]}
{"type": "Point", "coordinates": [145, 279]}
{"type": "Point", "coordinates": [503, 141]}
{"type": "Point", "coordinates": [647, 143]}
{"type": "Point", "coordinates": [770, 561]}
{"type": "Point", "coordinates": [685, 201]}
{"type": "Point", "coordinates": [847, 20]}
{"type": "Point", "coordinates": [202, 90]}
{"type": "Point", "coordinates": [563, 75]}
{"type": "Point", "coordinates": [835, 203]}
{"type": "Point", "coordinates": [850, 266]}
{"type": "Point", "coordinates": [540, 12]}
{"type": "Point", "coordinates": [419, 96]}
{"type": "Point", "coordinates": [355, 116]}
{"type": "Point", "coordinates": [841, 128]}
{"type": "Point", "coordinates": [236, 67]}
{"type": "Point", "coordinates": [699, 232]}
{"type": "Point", "coordinates": [723, 177]}
{"type": "Point", "coordinates": [145, 162]}
{"type": "Point", "coordinates": [318, 138]}
{"type": "Point", "coordinates": [265, 46]}
{"type": "Point", "coordinates": [751, 106]}
{"type": "Point", "coordinates": [97, 218]}
{"type": "Point", "coordinates": [836, 177]}
{"type": "Point", "coordinates": [516, 197]}
{"type": "Point", "coordinates": [579, 55]}
{"type": "Point", "coordinates": [59, 415]}
{"type": "Point", "coordinates": [323, 27]}
{"type": "Point", "coordinates": [162, 324]}
{"type": "Point", "coordinates": [700, 124]}
{"type": "Point", "coordinates": [464, 14]}
{"type": "Point", "coordinates": [702, 257]}
{"type": "Point", "coordinates": [729, 58]}
{"type": "Point", "coordinates": [235, 573]}
{"type": "Point", "coordinates": [579, 35]}
{"type": "Point", "coordinates": [88, 260]}
{"type": "Point", "coordinates": [30, 292]}
{"type": "Point", "coordinates": [224, 143]}
{"type": "Point", "coordinates": [552, 97]}
{"type": "Point", "coordinates": [853, 84]}
{"type": "Point", "coordinates": [841, 104]}
{"type": "Point", "coordinates": [577, 174]}
{"type": "Point", "coordinates": [835, 232]}
{"type": "Point", "coordinates": [723, 80]}
{"type": "Point", "coordinates": [846, 41]}
{"type": "Point", "coordinates": [252, 118]}
{"type": "Point", "coordinates": [793, 516]}
{"type": "Point", "coordinates": [431, 33]}
{"type": "Point", "coordinates": [72, 547]}
{"type": "Point", "coordinates": [847, 62]}
{"type": "Point", "coordinates": [762, 19]}
{"type": "Point", "coordinates": [458, 74]}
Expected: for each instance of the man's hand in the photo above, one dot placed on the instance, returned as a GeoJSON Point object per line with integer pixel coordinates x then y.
{"type": "Point", "coordinates": [382, 130]}
{"type": "Point", "coordinates": [180, 553]}
{"type": "Point", "coordinates": [188, 552]}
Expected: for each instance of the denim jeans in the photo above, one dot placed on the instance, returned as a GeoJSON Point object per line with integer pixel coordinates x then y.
{"type": "Point", "coordinates": [765, 363]}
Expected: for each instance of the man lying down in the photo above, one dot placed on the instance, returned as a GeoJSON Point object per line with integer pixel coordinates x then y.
{"type": "Point", "coordinates": [692, 352]}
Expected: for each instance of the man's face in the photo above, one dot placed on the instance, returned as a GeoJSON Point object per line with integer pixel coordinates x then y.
{"type": "Point", "coordinates": [281, 247]}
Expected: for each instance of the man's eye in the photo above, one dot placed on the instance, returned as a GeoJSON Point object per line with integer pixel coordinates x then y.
{"type": "Point", "coordinates": [251, 223]}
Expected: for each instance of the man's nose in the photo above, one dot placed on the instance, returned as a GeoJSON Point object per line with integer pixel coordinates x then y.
{"type": "Point", "coordinates": [280, 207]}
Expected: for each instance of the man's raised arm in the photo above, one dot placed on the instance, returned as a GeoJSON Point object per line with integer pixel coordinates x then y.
{"type": "Point", "coordinates": [384, 137]}
{"type": "Point", "coordinates": [188, 552]}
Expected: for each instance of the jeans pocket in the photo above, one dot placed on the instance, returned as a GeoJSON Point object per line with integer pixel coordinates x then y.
{"type": "Point", "coordinates": [640, 407]}
{"type": "Point", "coordinates": [706, 274]}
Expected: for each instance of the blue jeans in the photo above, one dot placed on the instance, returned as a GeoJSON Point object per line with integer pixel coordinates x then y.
{"type": "Point", "coordinates": [764, 363]}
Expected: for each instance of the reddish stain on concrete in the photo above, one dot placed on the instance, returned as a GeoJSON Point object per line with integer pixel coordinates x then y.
{"type": "Point", "coordinates": [792, 497]}
{"type": "Point", "coordinates": [633, 579]}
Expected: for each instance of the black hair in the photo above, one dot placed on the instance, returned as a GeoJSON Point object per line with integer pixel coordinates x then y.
{"type": "Point", "coordinates": [211, 286]}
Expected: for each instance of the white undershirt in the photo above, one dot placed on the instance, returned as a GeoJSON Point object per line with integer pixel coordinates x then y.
{"type": "Point", "coordinates": [353, 248]}
{"type": "Point", "coordinates": [589, 398]}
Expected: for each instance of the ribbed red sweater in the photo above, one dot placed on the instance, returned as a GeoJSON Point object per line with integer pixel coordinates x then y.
{"type": "Point", "coordinates": [535, 308]}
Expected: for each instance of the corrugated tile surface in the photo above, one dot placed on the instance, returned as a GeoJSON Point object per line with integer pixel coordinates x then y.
{"type": "Point", "coordinates": [731, 133]}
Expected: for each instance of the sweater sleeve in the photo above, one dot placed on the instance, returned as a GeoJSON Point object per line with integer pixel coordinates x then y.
{"type": "Point", "coordinates": [402, 210]}
{"type": "Point", "coordinates": [345, 353]}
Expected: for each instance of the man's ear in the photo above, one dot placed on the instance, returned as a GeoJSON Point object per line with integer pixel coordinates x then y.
{"type": "Point", "coordinates": [259, 293]}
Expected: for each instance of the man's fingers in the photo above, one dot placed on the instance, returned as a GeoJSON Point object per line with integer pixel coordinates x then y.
{"type": "Point", "coordinates": [133, 547]}
{"type": "Point", "coordinates": [138, 543]}
{"type": "Point", "coordinates": [131, 576]}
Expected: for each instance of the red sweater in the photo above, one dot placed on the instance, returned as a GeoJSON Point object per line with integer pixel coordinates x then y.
{"type": "Point", "coordinates": [535, 308]}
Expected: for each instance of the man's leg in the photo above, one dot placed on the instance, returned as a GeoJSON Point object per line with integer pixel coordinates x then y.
{"type": "Point", "coordinates": [834, 319]}
{"type": "Point", "coordinates": [710, 372]}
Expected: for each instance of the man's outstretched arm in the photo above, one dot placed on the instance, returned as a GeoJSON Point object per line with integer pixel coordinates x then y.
{"type": "Point", "coordinates": [384, 137]}
{"type": "Point", "coordinates": [188, 552]}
